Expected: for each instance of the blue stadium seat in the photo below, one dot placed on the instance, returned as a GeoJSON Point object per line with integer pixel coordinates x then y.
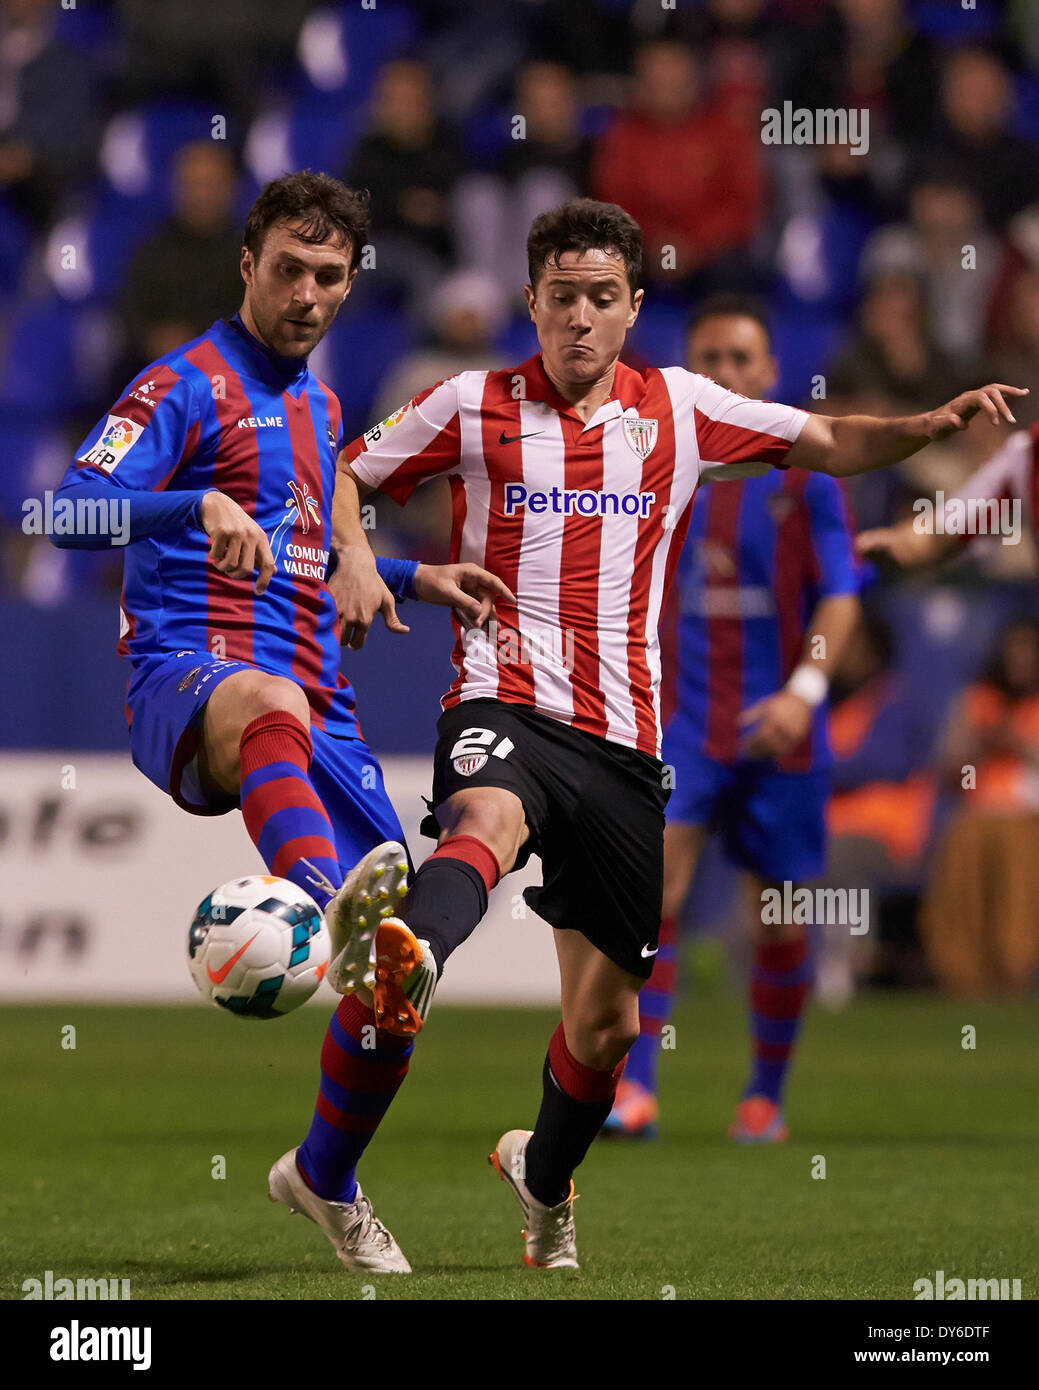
{"type": "Point", "coordinates": [56, 359]}
{"type": "Point", "coordinates": [15, 243]}
{"type": "Point", "coordinates": [366, 39]}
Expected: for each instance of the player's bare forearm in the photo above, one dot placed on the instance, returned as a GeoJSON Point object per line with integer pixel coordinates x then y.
{"type": "Point", "coordinates": [829, 631]}
{"type": "Point", "coordinates": [905, 545]}
{"type": "Point", "coordinates": [347, 529]}
{"type": "Point", "coordinates": [355, 584]}
{"type": "Point", "coordinates": [846, 445]}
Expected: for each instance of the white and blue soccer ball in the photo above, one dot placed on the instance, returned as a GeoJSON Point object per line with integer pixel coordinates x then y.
{"type": "Point", "coordinates": [258, 947]}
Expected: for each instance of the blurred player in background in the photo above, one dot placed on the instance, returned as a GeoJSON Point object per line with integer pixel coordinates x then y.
{"type": "Point", "coordinates": [767, 586]}
{"type": "Point", "coordinates": [222, 456]}
{"type": "Point", "coordinates": [978, 508]}
{"type": "Point", "coordinates": [572, 478]}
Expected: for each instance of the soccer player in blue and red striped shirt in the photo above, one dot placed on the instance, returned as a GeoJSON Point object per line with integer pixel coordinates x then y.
{"type": "Point", "coordinates": [767, 584]}
{"type": "Point", "coordinates": [223, 455]}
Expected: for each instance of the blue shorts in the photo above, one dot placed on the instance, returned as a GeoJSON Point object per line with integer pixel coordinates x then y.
{"type": "Point", "coordinates": [165, 701]}
{"type": "Point", "coordinates": [770, 822]}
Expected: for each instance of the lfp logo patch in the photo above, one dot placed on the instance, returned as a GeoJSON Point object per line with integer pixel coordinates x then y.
{"type": "Point", "coordinates": [118, 438]}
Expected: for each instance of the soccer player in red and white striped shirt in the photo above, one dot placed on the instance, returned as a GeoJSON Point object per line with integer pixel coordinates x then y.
{"type": "Point", "coordinates": [572, 478]}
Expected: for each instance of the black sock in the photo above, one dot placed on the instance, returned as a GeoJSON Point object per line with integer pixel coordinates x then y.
{"type": "Point", "coordinates": [445, 902]}
{"type": "Point", "coordinates": [562, 1136]}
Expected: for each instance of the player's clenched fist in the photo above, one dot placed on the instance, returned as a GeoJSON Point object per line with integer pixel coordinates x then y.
{"type": "Point", "coordinates": [237, 546]}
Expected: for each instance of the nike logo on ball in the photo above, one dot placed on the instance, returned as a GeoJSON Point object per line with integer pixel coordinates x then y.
{"type": "Point", "coordinates": [219, 976]}
{"type": "Point", "coordinates": [504, 438]}
{"type": "Point", "coordinates": [647, 954]}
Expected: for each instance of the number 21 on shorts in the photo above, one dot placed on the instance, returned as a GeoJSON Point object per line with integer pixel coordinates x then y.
{"type": "Point", "coordinates": [475, 746]}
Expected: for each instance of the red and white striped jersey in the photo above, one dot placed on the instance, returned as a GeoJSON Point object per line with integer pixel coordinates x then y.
{"type": "Point", "coordinates": [583, 521]}
{"type": "Point", "coordinates": [1011, 474]}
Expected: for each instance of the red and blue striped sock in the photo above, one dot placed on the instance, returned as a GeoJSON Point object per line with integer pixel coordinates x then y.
{"type": "Point", "coordinates": [362, 1069]}
{"type": "Point", "coordinates": [780, 986]}
{"type": "Point", "coordinates": [656, 1005]}
{"type": "Point", "coordinates": [283, 813]}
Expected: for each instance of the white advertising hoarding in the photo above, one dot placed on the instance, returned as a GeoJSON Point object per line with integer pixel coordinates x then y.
{"type": "Point", "coordinates": [102, 873]}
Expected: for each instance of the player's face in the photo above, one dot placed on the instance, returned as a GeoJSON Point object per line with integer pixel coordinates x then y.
{"type": "Point", "coordinates": [293, 290]}
{"type": "Point", "coordinates": [582, 310]}
{"type": "Point", "coordinates": [733, 350]}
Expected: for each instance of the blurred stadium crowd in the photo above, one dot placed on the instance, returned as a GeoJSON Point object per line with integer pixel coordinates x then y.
{"type": "Point", "coordinates": [134, 136]}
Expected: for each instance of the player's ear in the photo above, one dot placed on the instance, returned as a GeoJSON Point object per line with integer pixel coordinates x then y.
{"type": "Point", "coordinates": [529, 294]}
{"type": "Point", "coordinates": [636, 305]}
{"type": "Point", "coordinates": [247, 265]}
{"type": "Point", "coordinates": [350, 281]}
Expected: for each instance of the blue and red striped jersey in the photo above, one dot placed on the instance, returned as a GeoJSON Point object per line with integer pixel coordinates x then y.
{"type": "Point", "coordinates": [225, 412]}
{"type": "Point", "coordinates": [759, 556]}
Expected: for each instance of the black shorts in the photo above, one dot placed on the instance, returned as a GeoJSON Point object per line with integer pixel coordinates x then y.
{"type": "Point", "coordinates": [596, 816]}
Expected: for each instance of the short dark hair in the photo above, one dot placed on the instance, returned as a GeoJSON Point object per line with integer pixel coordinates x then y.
{"type": "Point", "coordinates": [582, 224]}
{"type": "Point", "coordinates": [324, 206]}
{"type": "Point", "coordinates": [729, 305]}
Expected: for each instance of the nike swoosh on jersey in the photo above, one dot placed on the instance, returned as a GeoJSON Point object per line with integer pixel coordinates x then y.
{"type": "Point", "coordinates": [504, 438]}
{"type": "Point", "coordinates": [219, 976]}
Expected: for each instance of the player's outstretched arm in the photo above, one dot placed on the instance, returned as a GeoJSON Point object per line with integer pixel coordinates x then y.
{"type": "Point", "coordinates": [846, 445]}
{"type": "Point", "coordinates": [905, 545]}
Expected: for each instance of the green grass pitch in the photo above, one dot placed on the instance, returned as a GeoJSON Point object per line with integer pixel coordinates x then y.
{"type": "Point", "coordinates": [108, 1153]}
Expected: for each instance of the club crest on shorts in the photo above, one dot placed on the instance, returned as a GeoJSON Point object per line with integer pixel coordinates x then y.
{"type": "Point", "coordinates": [468, 763]}
{"type": "Point", "coordinates": [187, 680]}
{"type": "Point", "coordinates": [639, 434]}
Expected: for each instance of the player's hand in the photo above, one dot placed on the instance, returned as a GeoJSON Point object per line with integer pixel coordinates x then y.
{"type": "Point", "coordinates": [466, 587]}
{"type": "Point", "coordinates": [897, 543]}
{"type": "Point", "coordinates": [782, 721]}
{"type": "Point", "coordinates": [238, 547]}
{"type": "Point", "coordinates": [359, 593]}
{"type": "Point", "coordinates": [957, 415]}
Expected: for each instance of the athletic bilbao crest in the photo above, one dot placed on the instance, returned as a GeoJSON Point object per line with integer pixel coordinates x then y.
{"type": "Point", "coordinates": [469, 763]}
{"type": "Point", "coordinates": [641, 435]}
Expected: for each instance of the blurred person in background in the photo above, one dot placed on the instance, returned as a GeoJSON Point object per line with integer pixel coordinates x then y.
{"type": "Point", "coordinates": [466, 312]}
{"type": "Point", "coordinates": [868, 53]}
{"type": "Point", "coordinates": [409, 161]}
{"type": "Point", "coordinates": [892, 351]}
{"type": "Point", "coordinates": [879, 817]}
{"type": "Point", "coordinates": [227, 52]}
{"type": "Point", "coordinates": [685, 171]}
{"type": "Point", "coordinates": [978, 920]}
{"type": "Point", "coordinates": [48, 110]}
{"type": "Point", "coordinates": [767, 586]}
{"type": "Point", "coordinates": [1003, 490]}
{"type": "Point", "coordinates": [1016, 349]}
{"type": "Point", "coordinates": [1001, 167]}
{"type": "Point", "coordinates": [186, 275]}
{"type": "Point", "coordinates": [546, 166]}
{"type": "Point", "coordinates": [946, 245]}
